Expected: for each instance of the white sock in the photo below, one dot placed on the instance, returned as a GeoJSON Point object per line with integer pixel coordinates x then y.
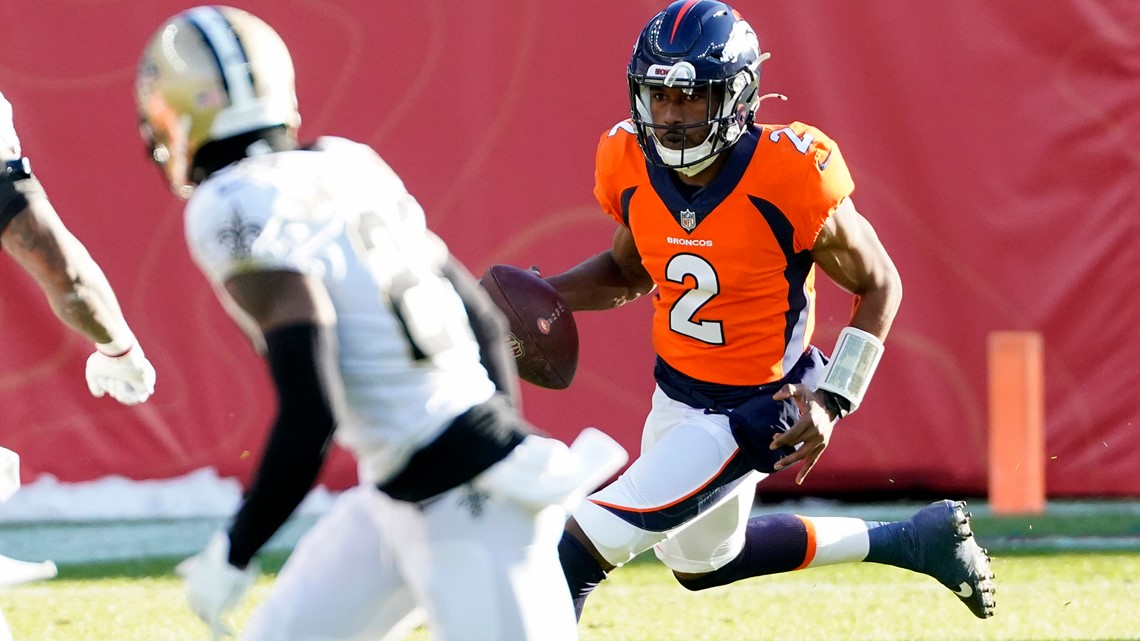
{"type": "Point", "coordinates": [837, 540]}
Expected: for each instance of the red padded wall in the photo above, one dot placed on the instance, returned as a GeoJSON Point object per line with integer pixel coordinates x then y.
{"type": "Point", "coordinates": [993, 144]}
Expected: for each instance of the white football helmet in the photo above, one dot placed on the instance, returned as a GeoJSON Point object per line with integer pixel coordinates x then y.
{"type": "Point", "coordinates": [210, 73]}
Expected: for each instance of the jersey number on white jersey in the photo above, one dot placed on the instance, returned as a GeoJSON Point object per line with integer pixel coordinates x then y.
{"type": "Point", "coordinates": [424, 302]}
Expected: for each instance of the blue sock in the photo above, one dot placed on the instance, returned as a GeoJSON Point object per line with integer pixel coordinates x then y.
{"type": "Point", "coordinates": [891, 543]}
{"type": "Point", "coordinates": [582, 570]}
{"type": "Point", "coordinates": [773, 543]}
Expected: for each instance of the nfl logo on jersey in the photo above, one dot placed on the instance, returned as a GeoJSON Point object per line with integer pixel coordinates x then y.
{"type": "Point", "coordinates": [689, 220]}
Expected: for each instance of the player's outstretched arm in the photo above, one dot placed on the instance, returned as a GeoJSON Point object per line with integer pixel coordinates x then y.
{"type": "Point", "coordinates": [76, 287]}
{"type": "Point", "coordinates": [606, 280]}
{"type": "Point", "coordinates": [79, 294]}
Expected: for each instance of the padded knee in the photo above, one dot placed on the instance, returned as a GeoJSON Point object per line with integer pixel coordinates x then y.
{"type": "Point", "coordinates": [697, 582]}
{"type": "Point", "coordinates": [616, 540]}
{"type": "Point", "coordinates": [730, 572]}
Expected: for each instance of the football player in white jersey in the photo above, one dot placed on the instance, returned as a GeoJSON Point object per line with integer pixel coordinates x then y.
{"type": "Point", "coordinates": [32, 233]}
{"type": "Point", "coordinates": [375, 336]}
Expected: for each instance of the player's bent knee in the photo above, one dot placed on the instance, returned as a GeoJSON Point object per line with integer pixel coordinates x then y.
{"type": "Point", "coordinates": [702, 575]}
{"type": "Point", "coordinates": [698, 582]}
{"type": "Point", "coordinates": [699, 561]}
{"type": "Point", "coordinates": [614, 539]}
{"type": "Point", "coordinates": [619, 549]}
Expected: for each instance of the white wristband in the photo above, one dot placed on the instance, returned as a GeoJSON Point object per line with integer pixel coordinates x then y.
{"type": "Point", "coordinates": [852, 365]}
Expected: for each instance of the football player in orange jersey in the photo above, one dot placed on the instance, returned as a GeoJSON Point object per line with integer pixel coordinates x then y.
{"type": "Point", "coordinates": [727, 219]}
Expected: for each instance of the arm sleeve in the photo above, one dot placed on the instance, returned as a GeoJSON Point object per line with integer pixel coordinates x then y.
{"type": "Point", "coordinates": [302, 361]}
{"type": "Point", "coordinates": [15, 195]}
{"type": "Point", "coordinates": [490, 328]}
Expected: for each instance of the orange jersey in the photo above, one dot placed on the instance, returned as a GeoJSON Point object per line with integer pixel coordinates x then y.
{"type": "Point", "coordinates": [735, 297]}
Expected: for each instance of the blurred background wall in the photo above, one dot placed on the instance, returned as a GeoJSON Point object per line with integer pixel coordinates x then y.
{"type": "Point", "coordinates": [993, 144]}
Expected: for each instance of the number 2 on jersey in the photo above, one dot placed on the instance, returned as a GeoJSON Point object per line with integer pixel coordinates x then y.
{"type": "Point", "coordinates": [802, 144]}
{"type": "Point", "coordinates": [685, 309]}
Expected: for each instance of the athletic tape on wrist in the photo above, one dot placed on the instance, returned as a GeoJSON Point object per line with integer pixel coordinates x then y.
{"type": "Point", "coordinates": [852, 364]}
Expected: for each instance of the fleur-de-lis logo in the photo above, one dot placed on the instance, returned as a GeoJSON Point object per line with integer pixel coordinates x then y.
{"type": "Point", "coordinates": [238, 235]}
{"type": "Point", "coordinates": [474, 500]}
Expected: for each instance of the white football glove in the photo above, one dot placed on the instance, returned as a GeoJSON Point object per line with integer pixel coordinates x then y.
{"type": "Point", "coordinates": [213, 586]}
{"type": "Point", "coordinates": [9, 143]}
{"type": "Point", "coordinates": [9, 473]}
{"type": "Point", "coordinates": [128, 378]}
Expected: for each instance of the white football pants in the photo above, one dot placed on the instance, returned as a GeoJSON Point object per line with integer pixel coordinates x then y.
{"type": "Point", "coordinates": [480, 568]}
{"type": "Point", "coordinates": [688, 495]}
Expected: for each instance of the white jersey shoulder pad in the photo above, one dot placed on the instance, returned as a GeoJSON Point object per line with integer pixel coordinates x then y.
{"type": "Point", "coordinates": [224, 218]}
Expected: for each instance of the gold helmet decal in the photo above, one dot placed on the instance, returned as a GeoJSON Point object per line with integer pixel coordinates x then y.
{"type": "Point", "coordinates": [207, 74]}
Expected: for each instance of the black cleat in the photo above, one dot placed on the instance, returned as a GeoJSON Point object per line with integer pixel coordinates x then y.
{"type": "Point", "coordinates": [947, 551]}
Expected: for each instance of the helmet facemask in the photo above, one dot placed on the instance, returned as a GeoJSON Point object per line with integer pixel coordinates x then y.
{"type": "Point", "coordinates": [731, 108]}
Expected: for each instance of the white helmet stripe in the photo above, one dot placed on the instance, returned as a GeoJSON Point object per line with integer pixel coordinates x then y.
{"type": "Point", "coordinates": [236, 72]}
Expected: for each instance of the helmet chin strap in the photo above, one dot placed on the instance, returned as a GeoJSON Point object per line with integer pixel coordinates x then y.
{"type": "Point", "coordinates": [693, 170]}
{"type": "Point", "coordinates": [674, 157]}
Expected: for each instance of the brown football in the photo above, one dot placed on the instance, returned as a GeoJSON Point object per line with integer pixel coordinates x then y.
{"type": "Point", "coordinates": [543, 336]}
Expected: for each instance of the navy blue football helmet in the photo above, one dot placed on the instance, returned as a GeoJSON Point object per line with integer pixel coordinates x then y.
{"type": "Point", "coordinates": [696, 45]}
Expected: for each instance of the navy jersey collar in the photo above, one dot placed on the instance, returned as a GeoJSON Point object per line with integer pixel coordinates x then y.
{"type": "Point", "coordinates": [709, 198]}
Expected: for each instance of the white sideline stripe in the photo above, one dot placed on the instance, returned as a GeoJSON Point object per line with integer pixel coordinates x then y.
{"type": "Point", "coordinates": [1067, 543]}
{"type": "Point", "coordinates": [199, 494]}
{"type": "Point", "coordinates": [80, 543]}
{"type": "Point", "coordinates": [116, 519]}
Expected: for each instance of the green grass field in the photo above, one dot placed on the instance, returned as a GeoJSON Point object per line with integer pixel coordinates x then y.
{"type": "Point", "coordinates": [1053, 597]}
{"type": "Point", "coordinates": [1041, 597]}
